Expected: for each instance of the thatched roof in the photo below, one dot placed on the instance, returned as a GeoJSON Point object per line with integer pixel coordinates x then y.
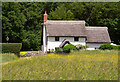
{"type": "Point", "coordinates": [77, 28]}
{"type": "Point", "coordinates": [65, 28]}
{"type": "Point", "coordinates": [97, 34]}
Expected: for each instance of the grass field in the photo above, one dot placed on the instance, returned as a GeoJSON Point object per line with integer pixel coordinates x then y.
{"type": "Point", "coordinates": [7, 57]}
{"type": "Point", "coordinates": [82, 65]}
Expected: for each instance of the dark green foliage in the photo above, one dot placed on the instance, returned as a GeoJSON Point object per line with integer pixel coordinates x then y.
{"type": "Point", "coordinates": [106, 46]}
{"type": "Point", "coordinates": [11, 47]}
{"type": "Point", "coordinates": [32, 41]}
{"type": "Point", "coordinates": [86, 24]}
{"type": "Point", "coordinates": [68, 48]}
{"type": "Point", "coordinates": [109, 47]}
{"type": "Point", "coordinates": [22, 24]}
{"type": "Point", "coordinates": [116, 47]}
{"type": "Point", "coordinates": [58, 50]}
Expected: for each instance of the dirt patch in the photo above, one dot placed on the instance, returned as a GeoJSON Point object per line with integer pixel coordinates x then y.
{"type": "Point", "coordinates": [4, 63]}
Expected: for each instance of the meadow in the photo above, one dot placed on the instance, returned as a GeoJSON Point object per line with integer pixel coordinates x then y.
{"type": "Point", "coordinates": [7, 57]}
{"type": "Point", "coordinates": [78, 65]}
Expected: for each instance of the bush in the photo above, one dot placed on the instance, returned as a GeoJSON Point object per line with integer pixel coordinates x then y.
{"type": "Point", "coordinates": [106, 46]}
{"type": "Point", "coordinates": [58, 50]}
{"type": "Point", "coordinates": [79, 46]}
{"type": "Point", "coordinates": [116, 47]}
{"type": "Point", "coordinates": [11, 47]}
{"type": "Point", "coordinates": [68, 48]}
{"type": "Point", "coordinates": [109, 47]}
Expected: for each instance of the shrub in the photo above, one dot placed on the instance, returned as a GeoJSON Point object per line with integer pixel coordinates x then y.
{"type": "Point", "coordinates": [116, 47]}
{"type": "Point", "coordinates": [109, 47]}
{"type": "Point", "coordinates": [58, 50]}
{"type": "Point", "coordinates": [68, 48]}
{"type": "Point", "coordinates": [11, 47]}
{"type": "Point", "coordinates": [79, 46]}
{"type": "Point", "coordinates": [106, 46]}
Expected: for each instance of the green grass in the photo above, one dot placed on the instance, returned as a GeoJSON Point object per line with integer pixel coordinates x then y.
{"type": "Point", "coordinates": [7, 57]}
{"type": "Point", "coordinates": [92, 52]}
{"type": "Point", "coordinates": [82, 65]}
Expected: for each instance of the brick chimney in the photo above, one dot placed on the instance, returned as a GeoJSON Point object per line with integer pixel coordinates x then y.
{"type": "Point", "coordinates": [45, 17]}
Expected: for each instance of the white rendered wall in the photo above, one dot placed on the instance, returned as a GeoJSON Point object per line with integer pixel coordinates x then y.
{"type": "Point", "coordinates": [51, 43]}
{"type": "Point", "coordinates": [92, 46]}
{"type": "Point", "coordinates": [44, 40]}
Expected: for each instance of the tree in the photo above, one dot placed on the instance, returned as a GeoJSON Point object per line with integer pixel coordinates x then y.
{"type": "Point", "coordinates": [61, 13]}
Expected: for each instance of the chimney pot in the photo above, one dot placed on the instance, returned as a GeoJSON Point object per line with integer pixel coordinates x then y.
{"type": "Point", "coordinates": [45, 17]}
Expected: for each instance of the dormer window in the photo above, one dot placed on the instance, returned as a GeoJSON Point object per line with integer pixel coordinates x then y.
{"type": "Point", "coordinates": [56, 38]}
{"type": "Point", "coordinates": [76, 38]}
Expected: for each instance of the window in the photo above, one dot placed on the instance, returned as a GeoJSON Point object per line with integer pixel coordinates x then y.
{"type": "Point", "coordinates": [86, 39]}
{"type": "Point", "coordinates": [56, 38]}
{"type": "Point", "coordinates": [76, 38]}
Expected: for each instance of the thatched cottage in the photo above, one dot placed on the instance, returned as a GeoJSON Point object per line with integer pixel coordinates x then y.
{"type": "Point", "coordinates": [58, 32]}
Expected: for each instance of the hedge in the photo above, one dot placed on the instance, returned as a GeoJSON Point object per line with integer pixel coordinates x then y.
{"type": "Point", "coordinates": [106, 46]}
{"type": "Point", "coordinates": [109, 47]}
{"type": "Point", "coordinates": [11, 47]}
{"type": "Point", "coordinates": [116, 47]}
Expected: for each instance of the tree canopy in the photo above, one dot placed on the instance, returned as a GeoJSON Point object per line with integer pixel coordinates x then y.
{"type": "Point", "coordinates": [21, 21]}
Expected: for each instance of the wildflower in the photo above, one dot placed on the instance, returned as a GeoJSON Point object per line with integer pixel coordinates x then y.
{"type": "Point", "coordinates": [22, 53]}
{"type": "Point", "coordinates": [60, 77]}
{"type": "Point", "coordinates": [70, 78]}
{"type": "Point", "coordinates": [29, 58]}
